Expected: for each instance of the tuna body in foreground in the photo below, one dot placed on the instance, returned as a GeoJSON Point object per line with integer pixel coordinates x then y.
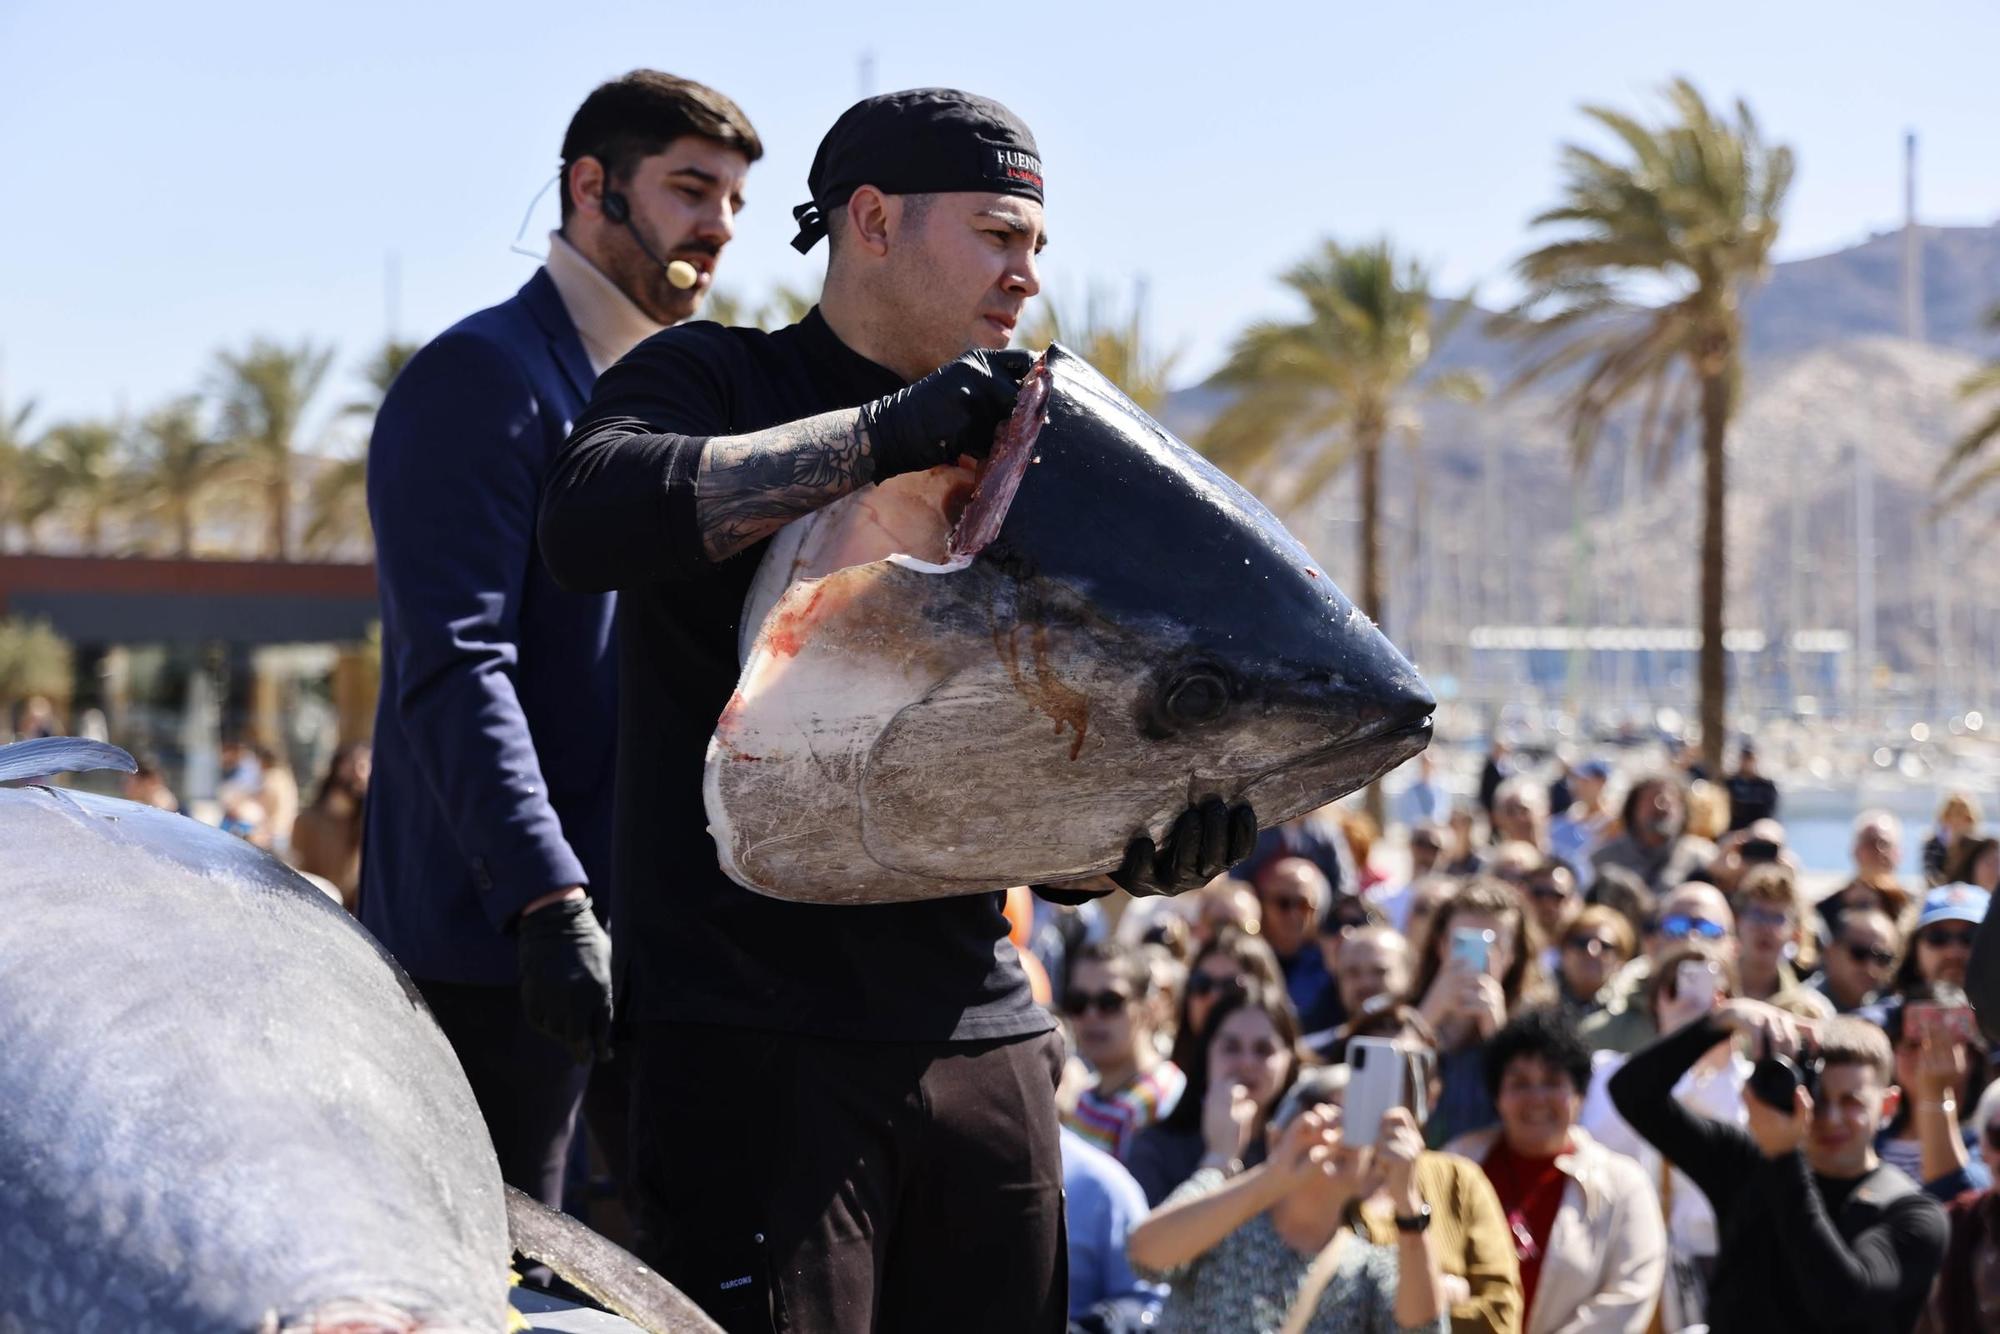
{"type": "Point", "coordinates": [947, 694]}
{"type": "Point", "coordinates": [221, 1106]}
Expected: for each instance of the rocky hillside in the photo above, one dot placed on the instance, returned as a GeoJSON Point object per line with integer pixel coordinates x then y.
{"type": "Point", "coordinates": [1499, 533]}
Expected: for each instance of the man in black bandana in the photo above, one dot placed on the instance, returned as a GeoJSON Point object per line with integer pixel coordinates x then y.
{"type": "Point", "coordinates": [843, 1115]}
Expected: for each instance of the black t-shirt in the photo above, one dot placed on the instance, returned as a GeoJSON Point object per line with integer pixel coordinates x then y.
{"type": "Point", "coordinates": [1751, 799]}
{"type": "Point", "coordinates": [689, 943]}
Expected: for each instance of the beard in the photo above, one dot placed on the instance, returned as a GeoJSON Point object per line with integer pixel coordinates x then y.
{"type": "Point", "coordinates": [645, 282]}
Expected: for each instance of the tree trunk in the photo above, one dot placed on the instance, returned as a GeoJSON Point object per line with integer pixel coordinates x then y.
{"type": "Point", "coordinates": [1368, 432]}
{"type": "Point", "coordinates": [183, 528]}
{"type": "Point", "coordinates": [1715, 406]}
{"type": "Point", "coordinates": [1368, 445]}
{"type": "Point", "coordinates": [278, 538]}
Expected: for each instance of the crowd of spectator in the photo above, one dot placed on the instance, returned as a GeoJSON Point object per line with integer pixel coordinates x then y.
{"type": "Point", "coordinates": [1595, 989]}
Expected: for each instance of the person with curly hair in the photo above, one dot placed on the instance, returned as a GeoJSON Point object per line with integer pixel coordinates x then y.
{"type": "Point", "coordinates": [1586, 1224]}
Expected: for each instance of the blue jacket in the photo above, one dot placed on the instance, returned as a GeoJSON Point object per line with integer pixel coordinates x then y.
{"type": "Point", "coordinates": [494, 731]}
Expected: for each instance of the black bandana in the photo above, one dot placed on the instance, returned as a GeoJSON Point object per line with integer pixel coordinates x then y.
{"type": "Point", "coordinates": [924, 141]}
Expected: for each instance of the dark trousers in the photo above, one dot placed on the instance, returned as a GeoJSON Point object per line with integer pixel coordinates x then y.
{"type": "Point", "coordinates": [790, 1183]}
{"type": "Point", "coordinates": [527, 1086]}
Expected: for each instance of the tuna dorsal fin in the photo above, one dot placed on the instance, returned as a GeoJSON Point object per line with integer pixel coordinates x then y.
{"type": "Point", "coordinates": [611, 1276]}
{"type": "Point", "coordinates": [60, 755]}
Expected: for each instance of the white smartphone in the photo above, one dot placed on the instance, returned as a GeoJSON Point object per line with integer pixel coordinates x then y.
{"type": "Point", "coordinates": [1696, 983]}
{"type": "Point", "coordinates": [1376, 1074]}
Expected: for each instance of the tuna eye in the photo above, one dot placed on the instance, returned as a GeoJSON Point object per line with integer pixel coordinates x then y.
{"type": "Point", "coordinates": [1198, 697]}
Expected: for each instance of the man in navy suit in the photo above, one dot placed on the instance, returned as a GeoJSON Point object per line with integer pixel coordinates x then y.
{"type": "Point", "coordinates": [489, 815]}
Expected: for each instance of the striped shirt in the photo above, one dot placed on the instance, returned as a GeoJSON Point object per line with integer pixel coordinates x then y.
{"type": "Point", "coordinates": [1110, 1121]}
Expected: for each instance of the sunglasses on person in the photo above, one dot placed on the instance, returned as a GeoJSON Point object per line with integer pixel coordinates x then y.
{"type": "Point", "coordinates": [1203, 984]}
{"type": "Point", "coordinates": [1680, 926]}
{"type": "Point", "coordinates": [1290, 903]}
{"type": "Point", "coordinates": [1594, 946]}
{"type": "Point", "coordinates": [1939, 939]}
{"type": "Point", "coordinates": [1774, 917]}
{"type": "Point", "coordinates": [1548, 891]}
{"type": "Point", "coordinates": [1079, 1003]}
{"type": "Point", "coordinates": [1873, 954]}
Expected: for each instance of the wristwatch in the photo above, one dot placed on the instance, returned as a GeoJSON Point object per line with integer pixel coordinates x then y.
{"type": "Point", "coordinates": [1417, 1222]}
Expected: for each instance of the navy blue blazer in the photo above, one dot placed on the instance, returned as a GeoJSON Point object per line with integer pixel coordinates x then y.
{"type": "Point", "coordinates": [495, 727]}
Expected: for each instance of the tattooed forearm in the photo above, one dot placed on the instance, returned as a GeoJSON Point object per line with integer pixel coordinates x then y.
{"type": "Point", "coordinates": [749, 486]}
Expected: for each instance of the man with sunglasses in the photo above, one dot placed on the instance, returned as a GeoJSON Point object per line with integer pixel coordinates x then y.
{"type": "Point", "coordinates": [1941, 949]}
{"type": "Point", "coordinates": [1862, 959]}
{"type": "Point", "coordinates": [1694, 912]}
{"type": "Point", "coordinates": [1550, 890]}
{"type": "Point", "coordinates": [1774, 942]}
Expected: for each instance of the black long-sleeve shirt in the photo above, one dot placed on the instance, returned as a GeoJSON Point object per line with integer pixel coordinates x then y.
{"type": "Point", "coordinates": [1797, 1251]}
{"type": "Point", "coordinates": [618, 511]}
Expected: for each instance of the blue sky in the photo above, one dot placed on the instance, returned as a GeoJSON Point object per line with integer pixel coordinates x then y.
{"type": "Point", "coordinates": [181, 177]}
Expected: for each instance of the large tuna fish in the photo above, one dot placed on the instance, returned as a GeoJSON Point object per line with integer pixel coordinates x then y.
{"type": "Point", "coordinates": [957, 682]}
{"type": "Point", "coordinates": [222, 1106]}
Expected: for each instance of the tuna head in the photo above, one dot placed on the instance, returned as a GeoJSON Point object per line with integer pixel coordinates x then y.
{"type": "Point", "coordinates": [1114, 630]}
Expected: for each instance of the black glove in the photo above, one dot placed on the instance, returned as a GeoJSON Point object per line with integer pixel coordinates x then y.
{"type": "Point", "coordinates": [949, 412]}
{"type": "Point", "coordinates": [1205, 841]}
{"type": "Point", "coordinates": [566, 977]}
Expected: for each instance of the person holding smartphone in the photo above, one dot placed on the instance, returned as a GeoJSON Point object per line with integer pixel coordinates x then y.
{"type": "Point", "coordinates": [1472, 974]}
{"type": "Point", "coordinates": [1274, 1250]}
{"type": "Point", "coordinates": [1469, 1236]}
{"type": "Point", "coordinates": [1943, 1065]}
{"type": "Point", "coordinates": [1815, 1230]}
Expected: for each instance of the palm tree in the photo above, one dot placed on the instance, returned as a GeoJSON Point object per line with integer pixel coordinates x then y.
{"type": "Point", "coordinates": [1336, 382]}
{"type": "Point", "coordinates": [1114, 342]}
{"type": "Point", "coordinates": [785, 305]}
{"type": "Point", "coordinates": [15, 453]}
{"type": "Point", "coordinates": [1975, 441]}
{"type": "Point", "coordinates": [337, 497]}
{"type": "Point", "coordinates": [1691, 205]}
{"type": "Point", "coordinates": [264, 393]}
{"type": "Point", "coordinates": [77, 469]}
{"type": "Point", "coordinates": [177, 464]}
{"type": "Point", "coordinates": [379, 373]}
{"type": "Point", "coordinates": [34, 660]}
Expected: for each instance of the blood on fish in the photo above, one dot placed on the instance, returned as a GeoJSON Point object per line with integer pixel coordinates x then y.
{"type": "Point", "coordinates": [1068, 707]}
{"type": "Point", "coordinates": [787, 627]}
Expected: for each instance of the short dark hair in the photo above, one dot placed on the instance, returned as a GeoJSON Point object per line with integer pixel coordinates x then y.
{"type": "Point", "coordinates": [915, 206]}
{"type": "Point", "coordinates": [1846, 1040]}
{"type": "Point", "coordinates": [640, 114]}
{"type": "Point", "coordinates": [1545, 1033]}
{"type": "Point", "coordinates": [1122, 961]}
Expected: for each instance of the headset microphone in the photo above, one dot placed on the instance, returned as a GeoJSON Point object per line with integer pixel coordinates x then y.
{"type": "Point", "coordinates": [679, 272]}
